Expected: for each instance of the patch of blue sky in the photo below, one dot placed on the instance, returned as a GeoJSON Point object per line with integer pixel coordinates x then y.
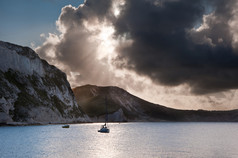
{"type": "Point", "coordinates": [22, 21]}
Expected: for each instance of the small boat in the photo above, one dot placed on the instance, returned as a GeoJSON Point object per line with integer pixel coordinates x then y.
{"type": "Point", "coordinates": [65, 126]}
{"type": "Point", "coordinates": [104, 128]}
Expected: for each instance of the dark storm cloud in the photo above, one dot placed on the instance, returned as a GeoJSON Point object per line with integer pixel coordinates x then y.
{"type": "Point", "coordinates": [172, 42]}
{"type": "Point", "coordinates": [168, 47]}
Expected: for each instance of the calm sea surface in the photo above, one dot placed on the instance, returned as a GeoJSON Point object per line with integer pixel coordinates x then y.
{"type": "Point", "coordinates": [125, 140]}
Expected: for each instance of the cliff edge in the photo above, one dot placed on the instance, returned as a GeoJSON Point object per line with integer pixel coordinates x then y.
{"type": "Point", "coordinates": [32, 91]}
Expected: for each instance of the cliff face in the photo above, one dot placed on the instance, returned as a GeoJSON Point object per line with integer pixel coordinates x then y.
{"type": "Point", "coordinates": [32, 91]}
{"type": "Point", "coordinates": [122, 106]}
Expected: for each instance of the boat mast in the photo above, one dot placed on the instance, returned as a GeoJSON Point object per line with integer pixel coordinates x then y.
{"type": "Point", "coordinates": [106, 116]}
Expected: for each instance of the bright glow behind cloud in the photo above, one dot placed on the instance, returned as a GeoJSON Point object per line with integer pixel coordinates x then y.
{"type": "Point", "coordinates": [97, 38]}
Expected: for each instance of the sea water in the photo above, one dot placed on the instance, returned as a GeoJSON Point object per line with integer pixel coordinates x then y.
{"type": "Point", "coordinates": [125, 140]}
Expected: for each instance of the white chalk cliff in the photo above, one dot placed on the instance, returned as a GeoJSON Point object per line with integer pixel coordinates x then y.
{"type": "Point", "coordinates": [32, 91]}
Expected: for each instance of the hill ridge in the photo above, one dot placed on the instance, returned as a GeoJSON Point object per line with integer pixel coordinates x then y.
{"type": "Point", "coordinates": [124, 106]}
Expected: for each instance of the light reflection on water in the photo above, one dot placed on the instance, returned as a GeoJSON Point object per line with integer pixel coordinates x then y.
{"type": "Point", "coordinates": [165, 140]}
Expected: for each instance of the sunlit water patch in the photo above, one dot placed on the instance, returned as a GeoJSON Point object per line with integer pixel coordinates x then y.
{"type": "Point", "coordinates": [134, 140]}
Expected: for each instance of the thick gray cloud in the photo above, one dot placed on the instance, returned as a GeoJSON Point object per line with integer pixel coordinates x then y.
{"type": "Point", "coordinates": [181, 44]}
{"type": "Point", "coordinates": [76, 48]}
{"type": "Point", "coordinates": [170, 48]}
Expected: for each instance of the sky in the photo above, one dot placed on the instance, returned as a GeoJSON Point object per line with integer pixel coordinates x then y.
{"type": "Point", "coordinates": [22, 21]}
{"type": "Point", "coordinates": [178, 53]}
